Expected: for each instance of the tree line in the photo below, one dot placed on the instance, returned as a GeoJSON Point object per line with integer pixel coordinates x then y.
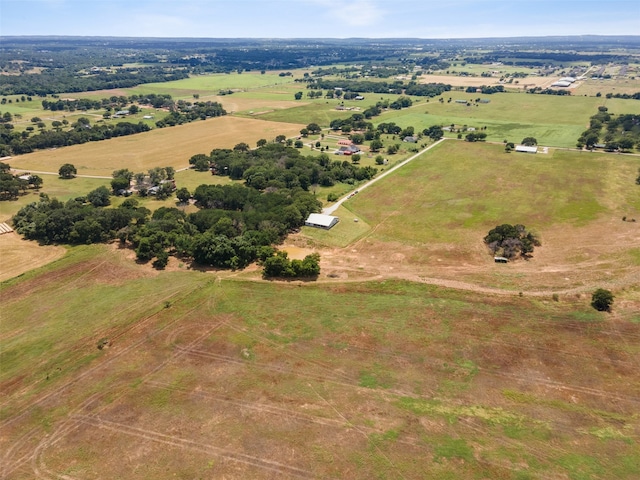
{"type": "Point", "coordinates": [276, 165]}
{"type": "Point", "coordinates": [11, 186]}
{"type": "Point", "coordinates": [81, 131]}
{"type": "Point", "coordinates": [235, 225]}
{"type": "Point", "coordinates": [614, 132]}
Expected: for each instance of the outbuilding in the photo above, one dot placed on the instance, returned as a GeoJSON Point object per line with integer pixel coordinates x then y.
{"type": "Point", "coordinates": [319, 220]}
{"type": "Point", "coordinates": [526, 149]}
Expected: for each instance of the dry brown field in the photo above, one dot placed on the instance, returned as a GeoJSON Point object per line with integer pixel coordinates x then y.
{"type": "Point", "coordinates": [172, 146]}
{"type": "Point", "coordinates": [18, 256]}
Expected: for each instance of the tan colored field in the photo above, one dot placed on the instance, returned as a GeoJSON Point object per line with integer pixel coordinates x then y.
{"type": "Point", "coordinates": [171, 146]}
{"type": "Point", "coordinates": [18, 256]}
{"type": "Point", "coordinates": [456, 81]}
{"type": "Point", "coordinates": [616, 85]}
{"type": "Point", "coordinates": [234, 103]}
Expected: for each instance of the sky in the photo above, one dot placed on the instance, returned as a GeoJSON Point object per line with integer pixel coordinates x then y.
{"type": "Point", "coordinates": [319, 18]}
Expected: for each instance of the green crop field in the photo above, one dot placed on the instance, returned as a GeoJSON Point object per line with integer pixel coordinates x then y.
{"type": "Point", "coordinates": [385, 379]}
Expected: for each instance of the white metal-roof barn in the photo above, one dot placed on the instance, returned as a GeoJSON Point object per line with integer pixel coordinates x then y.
{"type": "Point", "coordinates": [320, 220]}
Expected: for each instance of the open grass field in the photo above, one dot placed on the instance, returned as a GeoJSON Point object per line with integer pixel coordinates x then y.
{"type": "Point", "coordinates": [428, 219]}
{"type": "Point", "coordinates": [554, 121]}
{"type": "Point", "coordinates": [172, 146]}
{"type": "Point", "coordinates": [199, 84]}
{"type": "Point", "coordinates": [54, 187]}
{"type": "Point", "coordinates": [386, 379]}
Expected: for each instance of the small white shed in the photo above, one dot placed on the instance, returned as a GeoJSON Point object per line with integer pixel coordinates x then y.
{"type": "Point", "coordinates": [319, 220]}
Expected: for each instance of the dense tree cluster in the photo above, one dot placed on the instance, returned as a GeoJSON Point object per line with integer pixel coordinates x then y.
{"type": "Point", "coordinates": [67, 79]}
{"type": "Point", "coordinates": [487, 90]}
{"type": "Point", "coordinates": [475, 137]}
{"type": "Point", "coordinates": [367, 86]}
{"type": "Point", "coordinates": [280, 266]}
{"type": "Point", "coordinates": [511, 240]}
{"type": "Point", "coordinates": [626, 96]}
{"type": "Point", "coordinates": [549, 91]}
{"type": "Point", "coordinates": [11, 186]}
{"type": "Point", "coordinates": [235, 225]}
{"type": "Point", "coordinates": [113, 102]}
{"type": "Point", "coordinates": [51, 221]}
{"type": "Point", "coordinates": [616, 132]}
{"type": "Point", "coordinates": [14, 143]}
{"type": "Point", "coordinates": [185, 112]}
{"type": "Point", "coordinates": [276, 166]}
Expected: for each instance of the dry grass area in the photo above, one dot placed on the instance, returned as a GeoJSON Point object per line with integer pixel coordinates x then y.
{"type": "Point", "coordinates": [569, 268]}
{"type": "Point", "coordinates": [386, 379]}
{"type": "Point", "coordinates": [171, 146]}
{"type": "Point", "coordinates": [18, 256]}
{"type": "Point", "coordinates": [237, 103]}
{"type": "Point", "coordinates": [458, 81]}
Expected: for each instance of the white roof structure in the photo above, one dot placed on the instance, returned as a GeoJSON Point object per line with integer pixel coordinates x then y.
{"type": "Point", "coordinates": [320, 220]}
{"type": "Point", "coordinates": [567, 79]}
{"type": "Point", "coordinates": [561, 83]}
{"type": "Point", "coordinates": [526, 149]}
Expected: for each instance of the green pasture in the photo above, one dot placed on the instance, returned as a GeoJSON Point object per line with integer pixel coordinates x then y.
{"type": "Point", "coordinates": [55, 187]}
{"type": "Point", "coordinates": [459, 187]}
{"type": "Point", "coordinates": [212, 84]}
{"type": "Point", "coordinates": [64, 190]}
{"type": "Point", "coordinates": [388, 379]}
{"type": "Point", "coordinates": [553, 120]}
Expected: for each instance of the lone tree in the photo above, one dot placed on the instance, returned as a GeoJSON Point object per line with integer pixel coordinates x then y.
{"type": "Point", "coordinates": [510, 240]}
{"type": "Point", "coordinates": [67, 171]}
{"type": "Point", "coordinates": [529, 141]}
{"type": "Point", "coordinates": [601, 300]}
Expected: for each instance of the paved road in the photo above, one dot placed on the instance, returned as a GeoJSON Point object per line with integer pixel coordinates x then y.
{"type": "Point", "coordinates": [329, 210]}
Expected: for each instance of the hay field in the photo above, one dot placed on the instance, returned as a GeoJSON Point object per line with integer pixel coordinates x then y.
{"type": "Point", "coordinates": [172, 146]}
{"type": "Point", "coordinates": [18, 256]}
{"type": "Point", "coordinates": [385, 379]}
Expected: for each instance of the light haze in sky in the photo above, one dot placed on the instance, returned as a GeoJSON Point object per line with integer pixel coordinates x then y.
{"type": "Point", "coordinates": [319, 18]}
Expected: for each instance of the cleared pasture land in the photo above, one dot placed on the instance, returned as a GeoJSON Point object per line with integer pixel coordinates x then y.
{"type": "Point", "coordinates": [553, 120]}
{"type": "Point", "coordinates": [428, 219]}
{"type": "Point", "coordinates": [172, 146]}
{"type": "Point", "coordinates": [374, 380]}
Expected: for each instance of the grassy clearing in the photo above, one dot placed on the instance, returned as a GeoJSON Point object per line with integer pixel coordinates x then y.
{"type": "Point", "coordinates": [54, 187]}
{"type": "Point", "coordinates": [554, 121]}
{"type": "Point", "coordinates": [358, 387]}
{"type": "Point", "coordinates": [171, 146]}
{"type": "Point", "coordinates": [461, 186]}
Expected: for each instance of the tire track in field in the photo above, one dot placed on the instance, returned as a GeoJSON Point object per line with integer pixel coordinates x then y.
{"type": "Point", "coordinates": [283, 348]}
{"type": "Point", "coordinates": [175, 441]}
{"type": "Point", "coordinates": [436, 362]}
{"type": "Point", "coordinates": [113, 357]}
{"type": "Point", "coordinates": [65, 427]}
{"type": "Point", "coordinates": [284, 370]}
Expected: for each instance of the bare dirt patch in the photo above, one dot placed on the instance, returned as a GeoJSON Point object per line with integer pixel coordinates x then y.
{"type": "Point", "coordinates": [591, 260]}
